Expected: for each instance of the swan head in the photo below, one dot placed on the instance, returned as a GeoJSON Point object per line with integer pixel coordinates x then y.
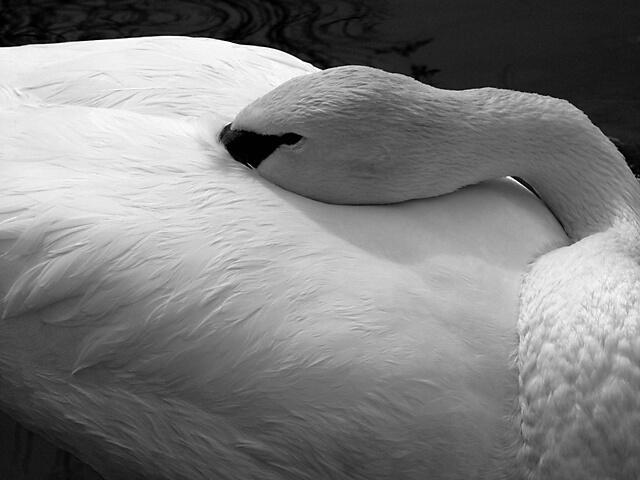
{"type": "Point", "coordinates": [359, 135]}
{"type": "Point", "coordinates": [353, 135]}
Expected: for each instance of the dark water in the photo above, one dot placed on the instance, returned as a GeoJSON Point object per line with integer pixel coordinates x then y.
{"type": "Point", "coordinates": [587, 51]}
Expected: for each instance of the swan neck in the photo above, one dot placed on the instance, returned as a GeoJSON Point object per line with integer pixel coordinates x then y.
{"type": "Point", "coordinates": [588, 197]}
{"type": "Point", "coordinates": [577, 171]}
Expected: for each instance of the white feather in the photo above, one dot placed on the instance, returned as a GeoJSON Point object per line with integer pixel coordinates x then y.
{"type": "Point", "coordinates": [167, 313]}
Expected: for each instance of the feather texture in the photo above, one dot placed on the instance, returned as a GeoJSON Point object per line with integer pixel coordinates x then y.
{"type": "Point", "coordinates": [167, 313]}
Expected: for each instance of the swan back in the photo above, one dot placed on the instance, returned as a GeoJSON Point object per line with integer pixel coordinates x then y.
{"type": "Point", "coordinates": [164, 308]}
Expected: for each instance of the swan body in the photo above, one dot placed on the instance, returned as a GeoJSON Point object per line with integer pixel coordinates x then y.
{"type": "Point", "coordinates": [579, 313]}
{"type": "Point", "coordinates": [167, 313]}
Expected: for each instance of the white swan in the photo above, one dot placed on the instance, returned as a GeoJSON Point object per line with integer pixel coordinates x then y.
{"type": "Point", "coordinates": [167, 313]}
{"type": "Point", "coordinates": [358, 135]}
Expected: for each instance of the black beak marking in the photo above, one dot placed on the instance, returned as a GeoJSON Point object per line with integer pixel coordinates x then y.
{"type": "Point", "coordinates": [250, 148]}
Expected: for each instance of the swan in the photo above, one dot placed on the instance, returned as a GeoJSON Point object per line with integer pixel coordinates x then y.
{"type": "Point", "coordinates": [168, 313]}
{"type": "Point", "coordinates": [358, 135]}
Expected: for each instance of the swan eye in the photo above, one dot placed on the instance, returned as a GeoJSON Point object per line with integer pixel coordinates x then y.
{"type": "Point", "coordinates": [290, 138]}
{"type": "Point", "coordinates": [251, 148]}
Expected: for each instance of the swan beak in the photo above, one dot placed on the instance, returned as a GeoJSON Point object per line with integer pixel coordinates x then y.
{"type": "Point", "coordinates": [250, 148]}
{"type": "Point", "coordinates": [241, 146]}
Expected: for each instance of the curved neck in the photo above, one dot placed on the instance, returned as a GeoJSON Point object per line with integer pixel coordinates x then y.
{"type": "Point", "coordinates": [578, 173]}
